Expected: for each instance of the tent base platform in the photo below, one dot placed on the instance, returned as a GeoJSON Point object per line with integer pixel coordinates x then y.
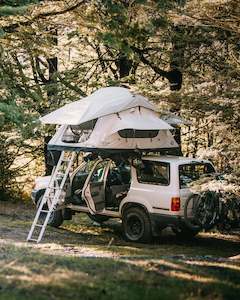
{"type": "Point", "coordinates": [108, 150]}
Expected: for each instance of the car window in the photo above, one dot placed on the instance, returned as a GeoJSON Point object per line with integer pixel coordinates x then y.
{"type": "Point", "coordinates": [85, 167]}
{"type": "Point", "coordinates": [80, 176]}
{"type": "Point", "coordinates": [189, 173]}
{"type": "Point", "coordinates": [154, 172]}
{"type": "Point", "coordinates": [119, 173]}
{"type": "Point", "coordinates": [98, 173]}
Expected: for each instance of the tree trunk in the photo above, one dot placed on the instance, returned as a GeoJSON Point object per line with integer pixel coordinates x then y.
{"type": "Point", "coordinates": [50, 82]}
{"type": "Point", "coordinates": [175, 75]}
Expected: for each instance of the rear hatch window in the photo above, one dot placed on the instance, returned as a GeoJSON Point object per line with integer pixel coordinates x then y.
{"type": "Point", "coordinates": [189, 173]}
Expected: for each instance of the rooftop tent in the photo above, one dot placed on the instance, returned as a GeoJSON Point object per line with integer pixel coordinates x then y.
{"type": "Point", "coordinates": [135, 128]}
{"type": "Point", "coordinates": [103, 102]}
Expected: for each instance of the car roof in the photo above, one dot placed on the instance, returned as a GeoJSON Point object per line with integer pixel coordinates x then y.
{"type": "Point", "coordinates": [175, 159]}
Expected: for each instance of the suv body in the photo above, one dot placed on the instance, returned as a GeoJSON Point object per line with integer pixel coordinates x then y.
{"type": "Point", "coordinates": [148, 194]}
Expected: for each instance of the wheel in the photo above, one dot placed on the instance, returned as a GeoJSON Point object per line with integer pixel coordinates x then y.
{"type": "Point", "coordinates": [56, 217]}
{"type": "Point", "coordinates": [184, 232]}
{"type": "Point", "coordinates": [98, 218]}
{"type": "Point", "coordinates": [136, 225]}
{"type": "Point", "coordinates": [204, 211]}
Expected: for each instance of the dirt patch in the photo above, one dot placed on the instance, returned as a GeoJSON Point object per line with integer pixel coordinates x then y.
{"type": "Point", "coordinates": [82, 237]}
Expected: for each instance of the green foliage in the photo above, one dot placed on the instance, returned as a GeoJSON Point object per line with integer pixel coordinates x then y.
{"type": "Point", "coordinates": [135, 43]}
{"type": "Point", "coordinates": [18, 2]}
{"type": "Point", "coordinates": [12, 114]}
{"type": "Point", "coordinates": [12, 8]}
{"type": "Point", "coordinates": [7, 174]}
{"type": "Point", "coordinates": [10, 11]}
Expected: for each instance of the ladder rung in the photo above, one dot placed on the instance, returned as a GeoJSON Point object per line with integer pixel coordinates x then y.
{"type": "Point", "coordinates": [66, 159]}
{"type": "Point", "coordinates": [54, 188]}
{"type": "Point", "coordinates": [53, 195]}
{"type": "Point", "coordinates": [49, 197]}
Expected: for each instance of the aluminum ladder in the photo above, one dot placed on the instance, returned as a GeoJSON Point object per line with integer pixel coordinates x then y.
{"type": "Point", "coordinates": [53, 195]}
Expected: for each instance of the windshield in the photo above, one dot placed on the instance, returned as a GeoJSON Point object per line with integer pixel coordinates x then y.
{"type": "Point", "coordinates": [189, 173]}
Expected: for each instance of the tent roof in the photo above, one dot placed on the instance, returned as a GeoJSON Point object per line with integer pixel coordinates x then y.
{"type": "Point", "coordinates": [137, 119]}
{"type": "Point", "coordinates": [103, 102]}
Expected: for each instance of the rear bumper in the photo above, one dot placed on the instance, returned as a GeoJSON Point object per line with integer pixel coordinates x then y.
{"type": "Point", "coordinates": [160, 221]}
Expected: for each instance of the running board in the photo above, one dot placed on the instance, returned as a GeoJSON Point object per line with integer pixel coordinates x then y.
{"type": "Point", "coordinates": [104, 212]}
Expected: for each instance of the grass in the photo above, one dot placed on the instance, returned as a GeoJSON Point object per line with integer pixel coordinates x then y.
{"type": "Point", "coordinates": [26, 272]}
{"type": "Point", "coordinates": [82, 261]}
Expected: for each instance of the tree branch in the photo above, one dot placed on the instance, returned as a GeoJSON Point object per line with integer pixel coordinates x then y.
{"type": "Point", "coordinates": [11, 28]}
{"type": "Point", "coordinates": [174, 76]}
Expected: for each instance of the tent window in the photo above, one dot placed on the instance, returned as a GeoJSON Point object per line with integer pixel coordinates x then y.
{"type": "Point", "coordinates": [81, 137]}
{"type": "Point", "coordinates": [131, 133]}
{"type": "Point", "coordinates": [78, 133]}
{"type": "Point", "coordinates": [84, 126]}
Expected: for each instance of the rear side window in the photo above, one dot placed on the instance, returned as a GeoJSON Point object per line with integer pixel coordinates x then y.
{"type": "Point", "coordinates": [189, 173]}
{"type": "Point", "coordinates": [154, 172]}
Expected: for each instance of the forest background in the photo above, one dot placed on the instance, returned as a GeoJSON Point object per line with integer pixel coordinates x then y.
{"type": "Point", "coordinates": [183, 55]}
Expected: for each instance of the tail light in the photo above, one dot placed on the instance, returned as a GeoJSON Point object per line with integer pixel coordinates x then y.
{"type": "Point", "coordinates": [175, 204]}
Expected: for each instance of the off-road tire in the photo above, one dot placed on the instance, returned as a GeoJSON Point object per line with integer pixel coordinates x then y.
{"type": "Point", "coordinates": [56, 219]}
{"type": "Point", "coordinates": [136, 225]}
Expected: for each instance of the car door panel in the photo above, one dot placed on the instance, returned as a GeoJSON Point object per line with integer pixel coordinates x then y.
{"type": "Point", "coordinates": [98, 194]}
{"type": "Point", "coordinates": [94, 188]}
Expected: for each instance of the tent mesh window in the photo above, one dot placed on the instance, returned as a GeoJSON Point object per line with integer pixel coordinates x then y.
{"type": "Point", "coordinates": [131, 133]}
{"type": "Point", "coordinates": [79, 133]}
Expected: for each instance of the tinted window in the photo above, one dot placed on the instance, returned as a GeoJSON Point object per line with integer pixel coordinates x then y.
{"type": "Point", "coordinates": [192, 172]}
{"type": "Point", "coordinates": [154, 172]}
{"type": "Point", "coordinates": [80, 177]}
{"type": "Point", "coordinates": [119, 173]}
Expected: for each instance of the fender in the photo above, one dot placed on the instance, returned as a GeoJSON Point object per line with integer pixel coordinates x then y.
{"type": "Point", "coordinates": [138, 201]}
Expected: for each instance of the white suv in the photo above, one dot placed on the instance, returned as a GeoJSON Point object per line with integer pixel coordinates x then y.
{"type": "Point", "coordinates": [148, 194]}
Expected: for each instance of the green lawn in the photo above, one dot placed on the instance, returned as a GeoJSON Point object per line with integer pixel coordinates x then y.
{"type": "Point", "coordinates": [82, 261]}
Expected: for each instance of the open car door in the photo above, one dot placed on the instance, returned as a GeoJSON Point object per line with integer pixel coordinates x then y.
{"type": "Point", "coordinates": [94, 187]}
